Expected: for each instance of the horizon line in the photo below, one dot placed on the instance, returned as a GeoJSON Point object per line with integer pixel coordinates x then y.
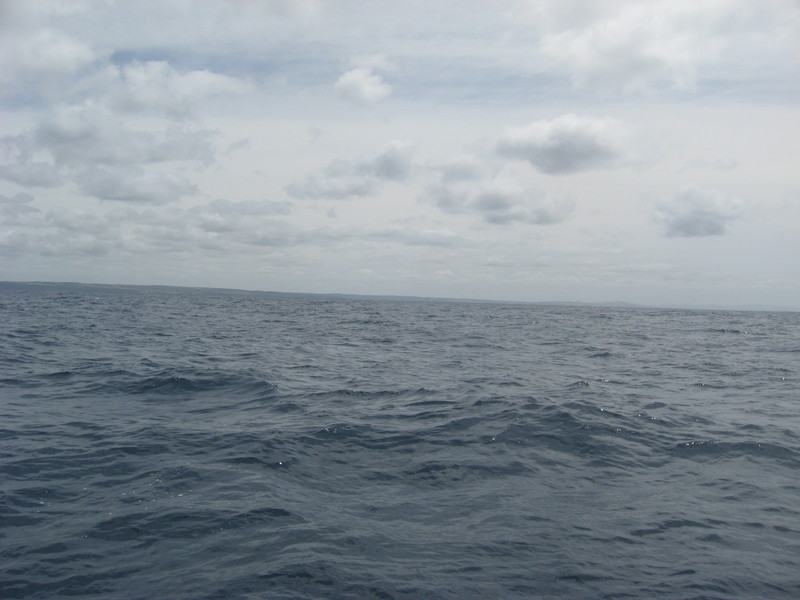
{"type": "Point", "coordinates": [414, 298]}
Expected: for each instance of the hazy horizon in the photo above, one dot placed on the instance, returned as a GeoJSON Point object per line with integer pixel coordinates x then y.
{"type": "Point", "coordinates": [523, 151]}
{"type": "Point", "coordinates": [610, 303]}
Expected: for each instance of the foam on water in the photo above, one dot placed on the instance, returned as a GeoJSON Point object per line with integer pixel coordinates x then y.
{"type": "Point", "coordinates": [208, 446]}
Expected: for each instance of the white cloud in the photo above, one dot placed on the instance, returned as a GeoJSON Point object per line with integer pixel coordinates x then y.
{"type": "Point", "coordinates": [43, 58]}
{"type": "Point", "coordinates": [362, 86]}
{"type": "Point", "coordinates": [155, 86]}
{"type": "Point", "coordinates": [348, 179]}
{"type": "Point", "coordinates": [569, 144]}
{"type": "Point", "coordinates": [647, 46]}
{"type": "Point", "coordinates": [693, 211]}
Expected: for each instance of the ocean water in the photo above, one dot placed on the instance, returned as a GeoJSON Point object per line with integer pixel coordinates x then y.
{"type": "Point", "coordinates": [207, 446]}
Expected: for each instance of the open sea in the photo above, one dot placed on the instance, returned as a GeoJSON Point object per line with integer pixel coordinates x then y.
{"type": "Point", "coordinates": [177, 445]}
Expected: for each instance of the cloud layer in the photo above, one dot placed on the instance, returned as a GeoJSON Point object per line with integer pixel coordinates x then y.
{"type": "Point", "coordinates": [513, 150]}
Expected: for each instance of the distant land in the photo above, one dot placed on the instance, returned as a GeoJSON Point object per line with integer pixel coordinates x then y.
{"type": "Point", "coordinates": [111, 288]}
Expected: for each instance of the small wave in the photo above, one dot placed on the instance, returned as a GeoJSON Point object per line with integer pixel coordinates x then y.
{"type": "Point", "coordinates": [443, 474]}
{"type": "Point", "coordinates": [170, 382]}
{"type": "Point", "coordinates": [145, 528]}
{"type": "Point", "coordinates": [716, 450]}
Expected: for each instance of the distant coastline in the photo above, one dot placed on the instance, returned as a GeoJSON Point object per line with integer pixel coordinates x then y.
{"type": "Point", "coordinates": [67, 286]}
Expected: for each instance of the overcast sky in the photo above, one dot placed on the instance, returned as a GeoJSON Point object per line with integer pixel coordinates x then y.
{"type": "Point", "coordinates": [542, 150]}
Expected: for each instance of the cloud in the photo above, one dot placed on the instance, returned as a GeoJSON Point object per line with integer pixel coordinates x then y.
{"type": "Point", "coordinates": [710, 165]}
{"type": "Point", "coordinates": [337, 181]}
{"type": "Point", "coordinates": [110, 123]}
{"type": "Point", "coordinates": [32, 174]}
{"type": "Point", "coordinates": [88, 134]}
{"type": "Point", "coordinates": [16, 200]}
{"type": "Point", "coordinates": [461, 168]}
{"type": "Point", "coordinates": [18, 210]}
{"type": "Point", "coordinates": [348, 179]}
{"type": "Point", "coordinates": [251, 208]}
{"type": "Point", "coordinates": [569, 144]}
{"type": "Point", "coordinates": [649, 46]}
{"type": "Point", "coordinates": [131, 184]}
{"type": "Point", "coordinates": [215, 228]}
{"type": "Point", "coordinates": [222, 216]}
{"type": "Point", "coordinates": [41, 59]}
{"type": "Point", "coordinates": [499, 200]}
{"type": "Point", "coordinates": [392, 162]}
{"type": "Point", "coordinates": [89, 145]}
{"type": "Point", "coordinates": [154, 86]}
{"type": "Point", "coordinates": [695, 212]}
{"type": "Point", "coordinates": [362, 86]}
{"type": "Point", "coordinates": [412, 237]}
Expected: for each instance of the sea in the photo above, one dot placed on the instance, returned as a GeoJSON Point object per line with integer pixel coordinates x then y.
{"type": "Point", "coordinates": [205, 445]}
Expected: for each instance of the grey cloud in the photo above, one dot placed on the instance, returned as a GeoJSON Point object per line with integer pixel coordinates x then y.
{"type": "Point", "coordinates": [92, 148]}
{"type": "Point", "coordinates": [711, 165]}
{"type": "Point", "coordinates": [93, 127]}
{"type": "Point", "coordinates": [90, 134]}
{"type": "Point", "coordinates": [346, 179]}
{"type": "Point", "coordinates": [336, 181]}
{"type": "Point", "coordinates": [14, 243]}
{"type": "Point", "coordinates": [55, 232]}
{"type": "Point", "coordinates": [23, 166]}
{"type": "Point", "coordinates": [568, 144]}
{"type": "Point", "coordinates": [79, 222]}
{"type": "Point", "coordinates": [251, 208]}
{"type": "Point", "coordinates": [223, 216]}
{"type": "Point", "coordinates": [32, 174]}
{"type": "Point", "coordinates": [498, 200]}
{"type": "Point", "coordinates": [694, 212]}
{"type": "Point", "coordinates": [218, 227]}
{"type": "Point", "coordinates": [242, 144]}
{"type": "Point", "coordinates": [133, 185]}
{"type": "Point", "coordinates": [274, 233]}
{"type": "Point", "coordinates": [462, 168]}
{"type": "Point", "coordinates": [393, 162]}
{"type": "Point", "coordinates": [16, 200]}
{"type": "Point", "coordinates": [18, 210]}
{"type": "Point", "coordinates": [410, 237]}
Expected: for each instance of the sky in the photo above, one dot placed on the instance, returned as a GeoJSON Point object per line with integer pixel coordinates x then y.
{"type": "Point", "coordinates": [542, 150]}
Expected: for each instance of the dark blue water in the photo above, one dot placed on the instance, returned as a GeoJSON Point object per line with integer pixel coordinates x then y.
{"type": "Point", "coordinates": [184, 446]}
